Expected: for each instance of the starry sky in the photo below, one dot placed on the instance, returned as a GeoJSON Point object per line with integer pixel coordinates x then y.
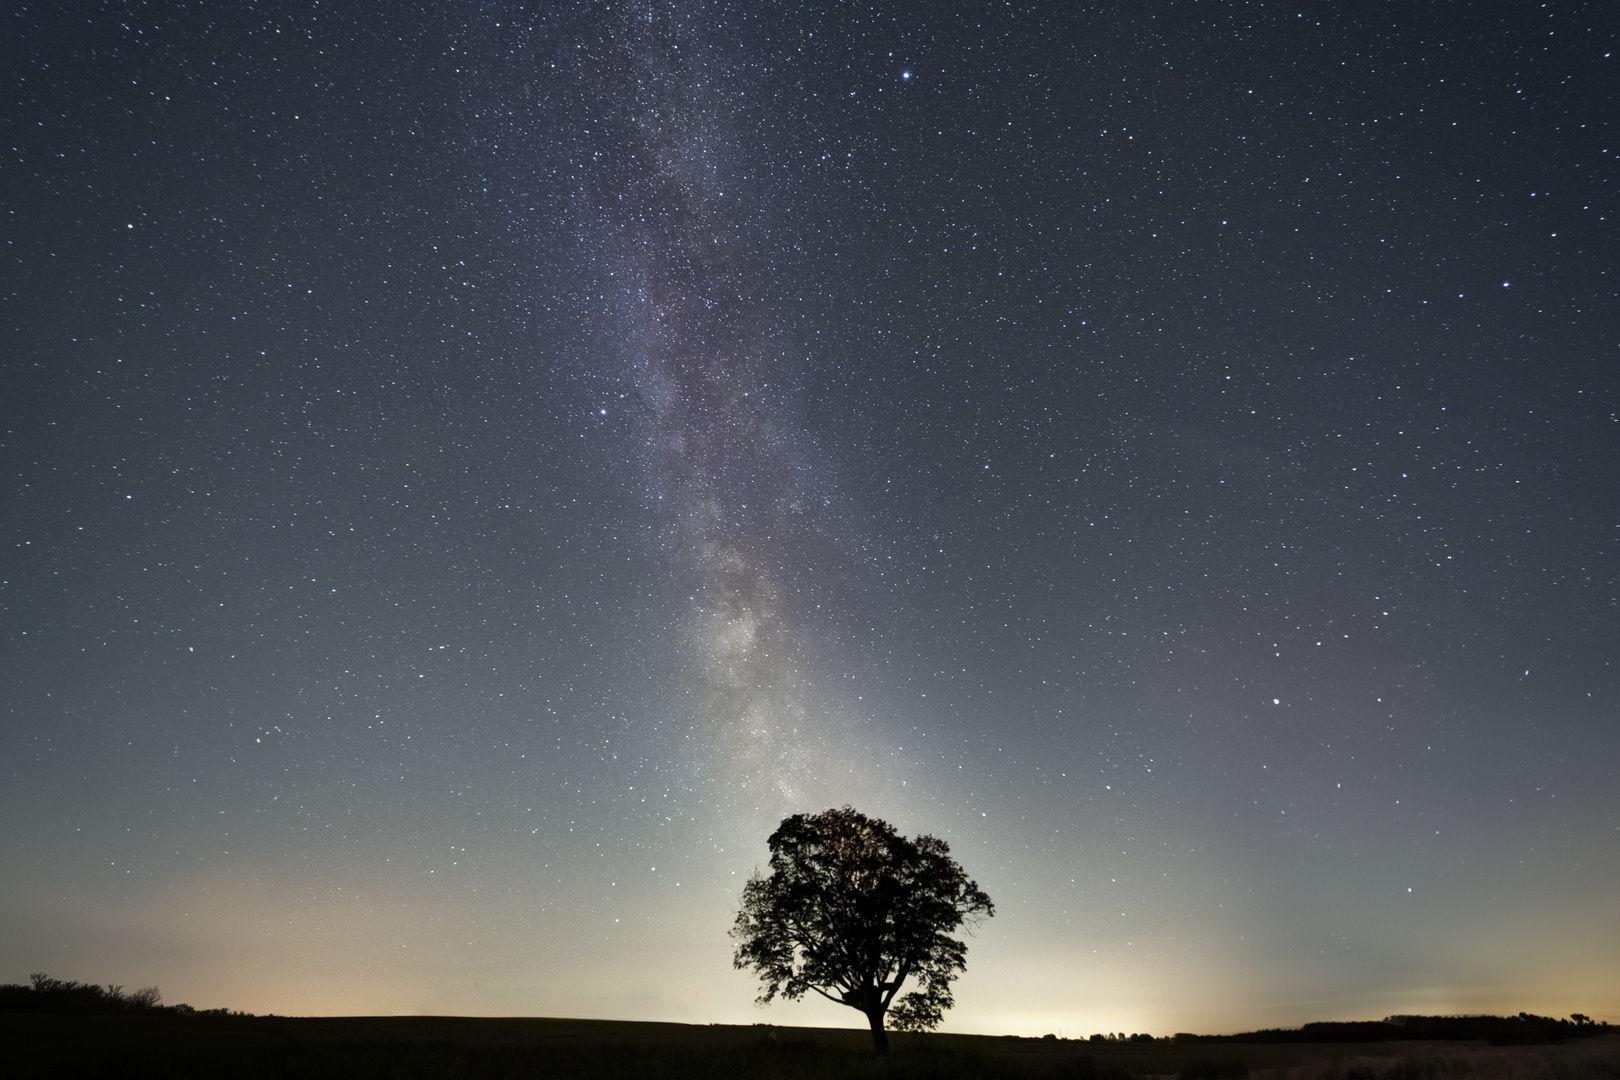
{"type": "Point", "coordinates": [470, 470]}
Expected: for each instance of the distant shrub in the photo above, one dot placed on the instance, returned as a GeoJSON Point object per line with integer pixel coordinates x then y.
{"type": "Point", "coordinates": [147, 997]}
{"type": "Point", "coordinates": [1524, 1028]}
{"type": "Point", "coordinates": [47, 995]}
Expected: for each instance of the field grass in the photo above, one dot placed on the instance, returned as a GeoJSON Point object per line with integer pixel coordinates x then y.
{"type": "Point", "coordinates": [1584, 1059]}
{"type": "Point", "coordinates": [133, 1047]}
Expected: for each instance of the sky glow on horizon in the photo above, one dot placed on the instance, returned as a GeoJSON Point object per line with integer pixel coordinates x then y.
{"type": "Point", "coordinates": [470, 476]}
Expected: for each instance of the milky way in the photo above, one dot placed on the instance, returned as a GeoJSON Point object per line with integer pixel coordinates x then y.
{"type": "Point", "coordinates": [712, 349]}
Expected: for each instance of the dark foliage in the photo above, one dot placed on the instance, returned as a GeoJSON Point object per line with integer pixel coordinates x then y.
{"type": "Point", "coordinates": [851, 910]}
{"type": "Point", "coordinates": [1525, 1028]}
{"type": "Point", "coordinates": [47, 995]}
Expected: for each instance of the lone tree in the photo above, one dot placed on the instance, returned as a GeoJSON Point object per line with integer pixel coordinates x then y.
{"type": "Point", "coordinates": [852, 909]}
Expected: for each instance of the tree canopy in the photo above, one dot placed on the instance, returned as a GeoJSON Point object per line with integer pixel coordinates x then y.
{"type": "Point", "coordinates": [851, 909]}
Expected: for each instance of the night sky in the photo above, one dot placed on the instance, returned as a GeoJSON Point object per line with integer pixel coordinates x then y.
{"type": "Point", "coordinates": [468, 473]}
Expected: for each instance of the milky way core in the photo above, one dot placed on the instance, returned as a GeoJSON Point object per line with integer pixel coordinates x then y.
{"type": "Point", "coordinates": [713, 350]}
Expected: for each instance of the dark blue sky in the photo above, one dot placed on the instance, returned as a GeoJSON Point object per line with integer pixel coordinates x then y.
{"type": "Point", "coordinates": [469, 474]}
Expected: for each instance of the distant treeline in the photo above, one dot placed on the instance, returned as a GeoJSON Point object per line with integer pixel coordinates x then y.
{"type": "Point", "coordinates": [1501, 1030]}
{"type": "Point", "coordinates": [47, 995]}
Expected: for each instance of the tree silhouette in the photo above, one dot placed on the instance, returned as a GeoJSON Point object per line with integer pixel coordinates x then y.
{"type": "Point", "coordinates": [852, 909]}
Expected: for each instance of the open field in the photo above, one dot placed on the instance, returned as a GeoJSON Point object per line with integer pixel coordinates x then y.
{"type": "Point", "coordinates": [132, 1047]}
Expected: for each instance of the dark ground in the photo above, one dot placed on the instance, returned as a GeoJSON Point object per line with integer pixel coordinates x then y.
{"type": "Point", "coordinates": [134, 1046]}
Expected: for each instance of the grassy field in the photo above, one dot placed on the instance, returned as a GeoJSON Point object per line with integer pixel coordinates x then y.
{"type": "Point", "coordinates": [131, 1047]}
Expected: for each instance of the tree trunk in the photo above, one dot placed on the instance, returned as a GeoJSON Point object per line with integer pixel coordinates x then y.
{"type": "Point", "coordinates": [880, 1038]}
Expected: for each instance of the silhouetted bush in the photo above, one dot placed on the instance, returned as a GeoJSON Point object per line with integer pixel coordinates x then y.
{"type": "Point", "coordinates": [47, 995]}
{"type": "Point", "coordinates": [1524, 1029]}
